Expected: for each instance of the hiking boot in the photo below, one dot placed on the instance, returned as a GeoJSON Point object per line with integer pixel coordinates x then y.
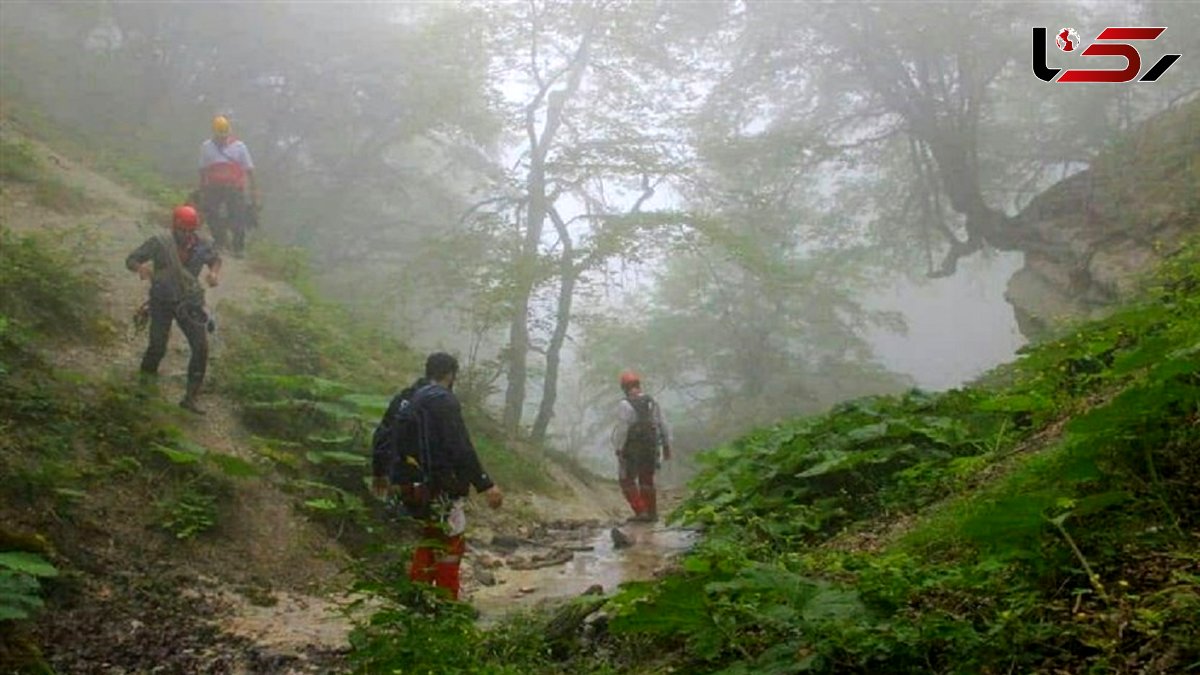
{"type": "Point", "coordinates": [189, 401]}
{"type": "Point", "coordinates": [189, 404]}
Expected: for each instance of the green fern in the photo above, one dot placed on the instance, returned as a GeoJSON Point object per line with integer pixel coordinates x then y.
{"type": "Point", "coordinates": [20, 589]}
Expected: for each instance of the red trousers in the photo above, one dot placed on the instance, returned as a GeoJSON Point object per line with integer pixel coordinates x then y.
{"type": "Point", "coordinates": [637, 484]}
{"type": "Point", "coordinates": [437, 557]}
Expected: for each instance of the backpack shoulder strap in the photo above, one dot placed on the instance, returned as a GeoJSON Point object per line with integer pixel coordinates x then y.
{"type": "Point", "coordinates": [188, 284]}
{"type": "Point", "coordinates": [221, 148]}
{"type": "Point", "coordinates": [640, 403]}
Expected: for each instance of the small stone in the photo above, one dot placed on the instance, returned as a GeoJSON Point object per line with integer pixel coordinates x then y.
{"type": "Point", "coordinates": [526, 590]}
{"type": "Point", "coordinates": [620, 539]}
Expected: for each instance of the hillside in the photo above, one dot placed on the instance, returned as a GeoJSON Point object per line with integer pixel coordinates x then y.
{"type": "Point", "coordinates": [192, 544]}
{"type": "Point", "coordinates": [1042, 520]}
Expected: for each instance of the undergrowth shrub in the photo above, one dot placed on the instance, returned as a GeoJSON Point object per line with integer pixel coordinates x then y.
{"type": "Point", "coordinates": [49, 289]}
{"type": "Point", "coordinates": [19, 162]}
{"type": "Point", "coordinates": [312, 382]}
{"type": "Point", "coordinates": [1041, 524]}
{"type": "Point", "coordinates": [190, 512]}
{"type": "Point", "coordinates": [56, 195]}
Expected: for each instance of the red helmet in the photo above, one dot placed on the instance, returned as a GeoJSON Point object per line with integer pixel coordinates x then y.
{"type": "Point", "coordinates": [185, 218]}
{"type": "Point", "coordinates": [629, 380]}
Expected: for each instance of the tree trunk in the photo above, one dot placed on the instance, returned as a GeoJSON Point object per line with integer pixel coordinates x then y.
{"type": "Point", "coordinates": [518, 330]}
{"type": "Point", "coordinates": [566, 294]}
{"type": "Point", "coordinates": [526, 273]}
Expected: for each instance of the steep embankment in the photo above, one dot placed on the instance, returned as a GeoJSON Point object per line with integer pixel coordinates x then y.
{"type": "Point", "coordinates": [120, 522]}
{"type": "Point", "coordinates": [194, 544]}
{"type": "Point", "coordinates": [1043, 520]}
{"type": "Point", "coordinates": [1100, 228]}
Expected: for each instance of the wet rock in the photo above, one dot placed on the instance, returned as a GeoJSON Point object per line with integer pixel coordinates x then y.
{"type": "Point", "coordinates": [554, 557]}
{"type": "Point", "coordinates": [485, 576]}
{"type": "Point", "coordinates": [485, 560]}
{"type": "Point", "coordinates": [595, 625]}
{"type": "Point", "coordinates": [506, 542]}
{"type": "Point", "coordinates": [620, 539]}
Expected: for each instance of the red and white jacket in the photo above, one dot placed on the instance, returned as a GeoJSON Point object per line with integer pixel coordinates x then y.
{"type": "Point", "coordinates": [225, 164]}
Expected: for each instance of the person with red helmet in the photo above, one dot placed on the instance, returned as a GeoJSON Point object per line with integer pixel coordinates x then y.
{"type": "Point", "coordinates": [640, 433]}
{"type": "Point", "coordinates": [172, 262]}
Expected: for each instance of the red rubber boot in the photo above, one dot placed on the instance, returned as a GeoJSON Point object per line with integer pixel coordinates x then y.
{"type": "Point", "coordinates": [446, 569]}
{"type": "Point", "coordinates": [421, 570]}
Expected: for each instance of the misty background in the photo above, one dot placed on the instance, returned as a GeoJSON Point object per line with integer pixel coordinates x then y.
{"type": "Point", "coordinates": [763, 207]}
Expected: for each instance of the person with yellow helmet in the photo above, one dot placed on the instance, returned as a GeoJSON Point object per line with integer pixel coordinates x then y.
{"type": "Point", "coordinates": [226, 171]}
{"type": "Point", "coordinates": [640, 434]}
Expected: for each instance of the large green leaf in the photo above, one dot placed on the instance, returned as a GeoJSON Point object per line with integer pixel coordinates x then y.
{"type": "Point", "coordinates": [233, 466]}
{"type": "Point", "coordinates": [336, 457]}
{"type": "Point", "coordinates": [368, 405]}
{"type": "Point", "coordinates": [27, 563]}
{"type": "Point", "coordinates": [178, 456]}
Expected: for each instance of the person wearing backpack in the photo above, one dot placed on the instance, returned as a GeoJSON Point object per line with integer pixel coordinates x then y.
{"type": "Point", "coordinates": [422, 451]}
{"type": "Point", "coordinates": [173, 262]}
{"type": "Point", "coordinates": [226, 170]}
{"type": "Point", "coordinates": [640, 433]}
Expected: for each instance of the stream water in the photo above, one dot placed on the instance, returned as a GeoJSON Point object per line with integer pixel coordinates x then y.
{"type": "Point", "coordinates": [596, 560]}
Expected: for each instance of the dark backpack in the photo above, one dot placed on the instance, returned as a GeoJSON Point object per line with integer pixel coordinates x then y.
{"type": "Point", "coordinates": [400, 446]}
{"type": "Point", "coordinates": [643, 435]}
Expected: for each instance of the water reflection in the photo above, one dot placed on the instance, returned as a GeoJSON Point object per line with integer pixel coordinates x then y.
{"type": "Point", "coordinates": [600, 564]}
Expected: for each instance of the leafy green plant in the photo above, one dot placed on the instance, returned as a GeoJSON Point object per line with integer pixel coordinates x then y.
{"type": "Point", "coordinates": [20, 588]}
{"type": "Point", "coordinates": [1021, 523]}
{"type": "Point", "coordinates": [51, 292]}
{"type": "Point", "coordinates": [188, 514]}
{"type": "Point", "coordinates": [54, 194]}
{"type": "Point", "coordinates": [414, 628]}
{"type": "Point", "coordinates": [19, 162]}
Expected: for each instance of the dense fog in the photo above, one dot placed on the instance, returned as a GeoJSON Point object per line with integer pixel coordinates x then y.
{"type": "Point", "coordinates": [763, 207]}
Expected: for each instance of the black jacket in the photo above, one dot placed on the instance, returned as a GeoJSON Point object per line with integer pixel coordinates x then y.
{"type": "Point", "coordinates": [163, 286]}
{"type": "Point", "coordinates": [455, 464]}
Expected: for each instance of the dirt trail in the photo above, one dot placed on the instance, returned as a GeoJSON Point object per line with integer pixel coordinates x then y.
{"type": "Point", "coordinates": [268, 544]}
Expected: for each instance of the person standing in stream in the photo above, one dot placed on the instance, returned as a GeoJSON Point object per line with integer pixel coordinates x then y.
{"type": "Point", "coordinates": [640, 433]}
{"type": "Point", "coordinates": [173, 263]}
{"type": "Point", "coordinates": [226, 171]}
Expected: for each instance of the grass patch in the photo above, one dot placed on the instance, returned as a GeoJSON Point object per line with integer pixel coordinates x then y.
{"type": "Point", "coordinates": [53, 194]}
{"type": "Point", "coordinates": [289, 264]}
{"type": "Point", "coordinates": [82, 458]}
{"type": "Point", "coordinates": [512, 470]}
{"type": "Point", "coordinates": [141, 176]}
{"type": "Point", "coordinates": [1051, 515]}
{"type": "Point", "coordinates": [49, 289]}
{"type": "Point", "coordinates": [18, 162]}
{"type": "Point", "coordinates": [135, 172]}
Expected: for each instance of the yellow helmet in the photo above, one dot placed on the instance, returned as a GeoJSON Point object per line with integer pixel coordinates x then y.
{"type": "Point", "coordinates": [220, 125]}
